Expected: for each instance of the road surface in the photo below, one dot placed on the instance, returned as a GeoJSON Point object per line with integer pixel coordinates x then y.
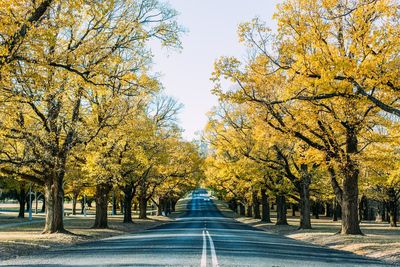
{"type": "Point", "coordinates": [202, 237]}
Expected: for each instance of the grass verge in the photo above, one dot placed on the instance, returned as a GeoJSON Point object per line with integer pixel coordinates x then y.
{"type": "Point", "coordinates": [379, 241]}
{"type": "Point", "coordinates": [26, 239]}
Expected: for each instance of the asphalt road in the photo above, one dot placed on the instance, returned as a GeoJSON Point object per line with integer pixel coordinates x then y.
{"type": "Point", "coordinates": [202, 237]}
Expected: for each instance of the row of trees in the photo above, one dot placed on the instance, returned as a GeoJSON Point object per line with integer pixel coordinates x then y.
{"type": "Point", "coordinates": [313, 112]}
{"type": "Point", "coordinates": [80, 109]}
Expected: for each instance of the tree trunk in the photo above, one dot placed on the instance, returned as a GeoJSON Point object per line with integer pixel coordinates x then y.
{"type": "Point", "coordinates": [27, 203]}
{"type": "Point", "coordinates": [367, 211]}
{"type": "Point", "coordinates": [43, 205]}
{"type": "Point", "coordinates": [350, 223]}
{"type": "Point", "coordinates": [266, 216]}
{"type": "Point", "coordinates": [361, 208]}
{"type": "Point", "coordinates": [249, 210]}
{"type": "Point", "coordinates": [74, 201]}
{"type": "Point", "coordinates": [21, 200]}
{"type": "Point", "coordinates": [242, 209]}
{"type": "Point", "coordinates": [165, 206]}
{"type": "Point", "coordinates": [349, 199]}
{"type": "Point", "coordinates": [101, 198]}
{"type": "Point", "coordinates": [328, 210]}
{"type": "Point", "coordinates": [281, 210]}
{"type": "Point", "coordinates": [128, 198]}
{"type": "Point", "coordinates": [121, 204]}
{"type": "Point", "coordinates": [316, 210]}
{"type": "Point", "coordinates": [386, 216]}
{"type": "Point", "coordinates": [160, 206]}
{"type": "Point", "coordinates": [335, 210]}
{"type": "Point", "coordinates": [54, 195]}
{"type": "Point", "coordinates": [142, 207]}
{"type": "Point", "coordinates": [173, 204]}
{"type": "Point", "coordinates": [305, 203]}
{"type": "Point", "coordinates": [168, 208]}
{"type": "Point", "coordinates": [36, 202]}
{"type": "Point", "coordinates": [233, 205]}
{"type": "Point", "coordinates": [256, 205]}
{"type": "Point", "coordinates": [392, 207]}
{"type": "Point", "coordinates": [114, 204]}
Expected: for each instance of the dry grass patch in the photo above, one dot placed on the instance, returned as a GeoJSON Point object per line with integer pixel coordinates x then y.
{"type": "Point", "coordinates": [27, 239]}
{"type": "Point", "coordinates": [379, 240]}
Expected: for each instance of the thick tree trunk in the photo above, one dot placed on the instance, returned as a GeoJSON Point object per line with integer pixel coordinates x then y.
{"type": "Point", "coordinates": [160, 206]}
{"type": "Point", "coordinates": [54, 195]}
{"type": "Point", "coordinates": [242, 210]}
{"type": "Point", "coordinates": [233, 205]}
{"type": "Point", "coordinates": [173, 204]}
{"type": "Point", "coordinates": [249, 210]}
{"type": "Point", "coordinates": [256, 205]}
{"type": "Point", "coordinates": [142, 207]}
{"type": "Point", "coordinates": [21, 200]}
{"type": "Point", "coordinates": [350, 223]}
{"type": "Point", "coordinates": [316, 210]}
{"type": "Point", "coordinates": [165, 206]}
{"type": "Point", "coordinates": [101, 198]}
{"type": "Point", "coordinates": [305, 203]}
{"type": "Point", "coordinates": [168, 207]}
{"type": "Point", "coordinates": [266, 216]}
{"type": "Point", "coordinates": [367, 215]}
{"type": "Point", "coordinates": [74, 202]}
{"type": "Point", "coordinates": [392, 207]}
{"type": "Point", "coordinates": [349, 203]}
{"type": "Point", "coordinates": [281, 210]}
{"type": "Point", "coordinates": [328, 210]}
{"type": "Point", "coordinates": [335, 210]}
{"type": "Point", "coordinates": [129, 193]}
{"type": "Point", "coordinates": [127, 205]}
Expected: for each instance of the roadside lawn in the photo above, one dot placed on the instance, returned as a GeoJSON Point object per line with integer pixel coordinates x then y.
{"type": "Point", "coordinates": [379, 240]}
{"type": "Point", "coordinates": [18, 238]}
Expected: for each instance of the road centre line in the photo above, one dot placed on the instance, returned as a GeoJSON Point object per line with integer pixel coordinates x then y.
{"type": "Point", "coordinates": [203, 262]}
{"type": "Point", "coordinates": [213, 253]}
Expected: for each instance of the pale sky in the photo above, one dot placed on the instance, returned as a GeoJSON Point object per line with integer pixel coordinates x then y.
{"type": "Point", "coordinates": [212, 33]}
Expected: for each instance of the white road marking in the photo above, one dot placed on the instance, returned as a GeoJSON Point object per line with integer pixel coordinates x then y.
{"type": "Point", "coordinates": [213, 253]}
{"type": "Point", "coordinates": [203, 262]}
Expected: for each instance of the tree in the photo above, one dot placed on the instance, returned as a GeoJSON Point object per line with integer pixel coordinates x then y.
{"type": "Point", "coordinates": [315, 68]}
{"type": "Point", "coordinates": [74, 81]}
{"type": "Point", "coordinates": [16, 30]}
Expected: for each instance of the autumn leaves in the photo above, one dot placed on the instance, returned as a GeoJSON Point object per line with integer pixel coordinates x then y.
{"type": "Point", "coordinates": [311, 106]}
{"type": "Point", "coordinates": [76, 94]}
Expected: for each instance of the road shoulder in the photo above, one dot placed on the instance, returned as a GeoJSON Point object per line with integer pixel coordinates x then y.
{"type": "Point", "coordinates": [25, 239]}
{"type": "Point", "coordinates": [379, 242]}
